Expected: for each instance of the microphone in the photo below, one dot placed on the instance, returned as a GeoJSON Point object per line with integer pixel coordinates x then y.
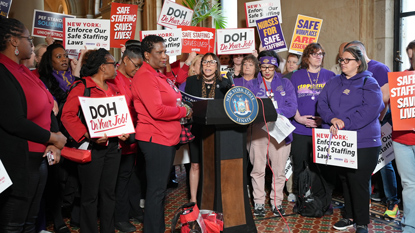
{"type": "Point", "coordinates": [229, 75]}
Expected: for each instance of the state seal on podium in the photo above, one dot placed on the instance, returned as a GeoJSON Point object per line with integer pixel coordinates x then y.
{"type": "Point", "coordinates": [241, 105]}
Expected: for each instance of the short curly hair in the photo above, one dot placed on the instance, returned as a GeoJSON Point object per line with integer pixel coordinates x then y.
{"type": "Point", "coordinates": [148, 43]}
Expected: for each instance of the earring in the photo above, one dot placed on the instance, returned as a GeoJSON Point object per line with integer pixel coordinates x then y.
{"type": "Point", "coordinates": [16, 51]}
{"type": "Point", "coordinates": [125, 63]}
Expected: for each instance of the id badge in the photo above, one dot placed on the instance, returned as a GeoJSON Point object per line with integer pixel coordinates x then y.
{"type": "Point", "coordinates": [275, 104]}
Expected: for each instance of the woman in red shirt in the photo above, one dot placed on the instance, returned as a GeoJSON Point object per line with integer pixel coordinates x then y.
{"type": "Point", "coordinates": [157, 102]}
{"type": "Point", "coordinates": [98, 177]}
{"type": "Point", "coordinates": [25, 130]}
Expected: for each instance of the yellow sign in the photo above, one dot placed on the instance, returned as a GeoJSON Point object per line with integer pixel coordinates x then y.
{"type": "Point", "coordinates": [306, 31]}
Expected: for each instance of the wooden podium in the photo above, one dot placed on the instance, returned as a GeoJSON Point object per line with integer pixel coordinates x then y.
{"type": "Point", "coordinates": [223, 177]}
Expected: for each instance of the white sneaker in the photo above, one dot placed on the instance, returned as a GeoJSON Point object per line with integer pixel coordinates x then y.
{"type": "Point", "coordinates": [142, 203]}
{"type": "Point", "coordinates": [291, 197]}
{"type": "Point", "coordinates": [43, 231]}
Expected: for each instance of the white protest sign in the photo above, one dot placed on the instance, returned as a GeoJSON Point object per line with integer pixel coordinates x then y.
{"type": "Point", "coordinates": [172, 39]}
{"type": "Point", "coordinates": [261, 9]}
{"type": "Point", "coordinates": [92, 33]}
{"type": "Point", "coordinates": [107, 115]}
{"type": "Point", "coordinates": [339, 150]}
{"type": "Point", "coordinates": [5, 180]}
{"type": "Point", "coordinates": [173, 14]}
{"type": "Point", "coordinates": [386, 153]}
{"type": "Point", "coordinates": [288, 168]}
{"type": "Point", "coordinates": [235, 41]}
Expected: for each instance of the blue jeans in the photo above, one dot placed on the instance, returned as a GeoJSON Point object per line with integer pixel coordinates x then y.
{"type": "Point", "coordinates": [405, 162]}
{"type": "Point", "coordinates": [389, 183]}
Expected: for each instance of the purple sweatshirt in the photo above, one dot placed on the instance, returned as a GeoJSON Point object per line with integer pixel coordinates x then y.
{"type": "Point", "coordinates": [357, 103]}
{"type": "Point", "coordinates": [283, 91]}
{"type": "Point", "coordinates": [305, 92]}
{"type": "Point", "coordinates": [379, 71]}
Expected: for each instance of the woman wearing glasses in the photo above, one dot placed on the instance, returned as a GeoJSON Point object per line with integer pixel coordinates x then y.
{"type": "Point", "coordinates": [308, 82]}
{"type": "Point", "coordinates": [207, 84]}
{"type": "Point", "coordinates": [353, 101]}
{"type": "Point", "coordinates": [97, 178]}
{"type": "Point", "coordinates": [131, 61]}
{"type": "Point", "coordinates": [26, 130]}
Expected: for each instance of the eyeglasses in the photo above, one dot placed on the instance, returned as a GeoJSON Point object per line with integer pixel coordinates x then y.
{"type": "Point", "coordinates": [211, 62]}
{"type": "Point", "coordinates": [345, 60]}
{"type": "Point", "coordinates": [112, 63]}
{"type": "Point", "coordinates": [318, 55]}
{"type": "Point", "coordinates": [264, 68]}
{"type": "Point", "coordinates": [29, 38]}
{"type": "Point", "coordinates": [136, 65]}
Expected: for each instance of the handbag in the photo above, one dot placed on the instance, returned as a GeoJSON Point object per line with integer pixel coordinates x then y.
{"type": "Point", "coordinates": [76, 155]}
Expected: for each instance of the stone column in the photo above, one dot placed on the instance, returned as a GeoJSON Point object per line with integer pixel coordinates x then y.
{"type": "Point", "coordinates": [22, 10]}
{"type": "Point", "coordinates": [139, 22]}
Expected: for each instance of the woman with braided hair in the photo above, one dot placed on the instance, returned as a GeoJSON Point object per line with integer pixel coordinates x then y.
{"type": "Point", "coordinates": [26, 130]}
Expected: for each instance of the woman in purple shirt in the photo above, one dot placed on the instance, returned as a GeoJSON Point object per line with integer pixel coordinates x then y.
{"type": "Point", "coordinates": [308, 82]}
{"type": "Point", "coordinates": [353, 101]}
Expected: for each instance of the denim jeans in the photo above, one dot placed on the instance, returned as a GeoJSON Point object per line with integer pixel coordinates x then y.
{"type": "Point", "coordinates": [389, 183]}
{"type": "Point", "coordinates": [405, 162]}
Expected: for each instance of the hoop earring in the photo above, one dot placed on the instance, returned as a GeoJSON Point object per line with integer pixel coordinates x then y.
{"type": "Point", "coordinates": [16, 51]}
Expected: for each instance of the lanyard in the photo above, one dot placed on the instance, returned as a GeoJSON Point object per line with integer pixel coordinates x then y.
{"type": "Point", "coordinates": [269, 94]}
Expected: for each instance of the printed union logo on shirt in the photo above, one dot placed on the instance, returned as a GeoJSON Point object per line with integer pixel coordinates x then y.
{"type": "Point", "coordinates": [241, 105]}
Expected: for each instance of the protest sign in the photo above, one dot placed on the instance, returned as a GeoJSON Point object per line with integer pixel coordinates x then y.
{"type": "Point", "coordinates": [92, 33]}
{"type": "Point", "coordinates": [261, 9]}
{"type": "Point", "coordinates": [173, 15]}
{"type": "Point", "coordinates": [288, 168]}
{"type": "Point", "coordinates": [48, 23]}
{"type": "Point", "coordinates": [172, 39]}
{"type": "Point", "coordinates": [402, 99]}
{"type": "Point", "coordinates": [5, 7]}
{"type": "Point", "coordinates": [107, 115]}
{"type": "Point", "coordinates": [198, 39]}
{"type": "Point", "coordinates": [235, 41]}
{"type": "Point", "coordinates": [270, 33]}
{"type": "Point", "coordinates": [306, 31]}
{"type": "Point", "coordinates": [123, 22]}
{"type": "Point", "coordinates": [339, 150]}
{"type": "Point", "coordinates": [5, 180]}
{"type": "Point", "coordinates": [386, 153]}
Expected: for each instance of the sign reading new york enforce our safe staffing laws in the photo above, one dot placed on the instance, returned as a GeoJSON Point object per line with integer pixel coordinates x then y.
{"type": "Point", "coordinates": [241, 106]}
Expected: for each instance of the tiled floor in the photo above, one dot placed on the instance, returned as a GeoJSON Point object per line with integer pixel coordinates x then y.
{"type": "Point", "coordinates": [291, 223]}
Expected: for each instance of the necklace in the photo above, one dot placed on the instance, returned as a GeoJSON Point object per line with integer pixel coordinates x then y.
{"type": "Point", "coordinates": [313, 86]}
{"type": "Point", "coordinates": [269, 93]}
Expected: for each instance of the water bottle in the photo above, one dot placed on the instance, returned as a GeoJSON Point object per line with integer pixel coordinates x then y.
{"type": "Point", "coordinates": [180, 104]}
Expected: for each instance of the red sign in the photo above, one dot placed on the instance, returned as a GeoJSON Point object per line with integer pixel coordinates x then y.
{"type": "Point", "coordinates": [123, 23]}
{"type": "Point", "coordinates": [402, 99]}
{"type": "Point", "coordinates": [198, 39]}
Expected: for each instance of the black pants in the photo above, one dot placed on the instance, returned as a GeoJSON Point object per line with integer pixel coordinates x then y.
{"type": "Point", "coordinates": [356, 185]}
{"type": "Point", "coordinates": [126, 201]}
{"type": "Point", "coordinates": [159, 160]}
{"type": "Point", "coordinates": [98, 179]}
{"type": "Point", "coordinates": [17, 213]}
{"type": "Point", "coordinates": [301, 151]}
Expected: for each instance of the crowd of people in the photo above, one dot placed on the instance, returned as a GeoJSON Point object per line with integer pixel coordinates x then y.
{"type": "Point", "coordinates": [44, 102]}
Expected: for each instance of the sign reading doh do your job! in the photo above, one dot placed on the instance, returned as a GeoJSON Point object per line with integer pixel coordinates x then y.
{"type": "Point", "coordinates": [107, 115]}
{"type": "Point", "coordinates": [92, 33]}
{"type": "Point", "coordinates": [306, 31]}
{"type": "Point", "coordinates": [235, 41]}
{"type": "Point", "coordinates": [173, 15]}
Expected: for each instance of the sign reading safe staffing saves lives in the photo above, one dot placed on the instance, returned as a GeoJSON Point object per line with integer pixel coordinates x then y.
{"type": "Point", "coordinates": [402, 99]}
{"type": "Point", "coordinates": [123, 23]}
{"type": "Point", "coordinates": [107, 115]}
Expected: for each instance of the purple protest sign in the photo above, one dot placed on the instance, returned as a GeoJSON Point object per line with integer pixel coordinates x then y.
{"type": "Point", "coordinates": [270, 32]}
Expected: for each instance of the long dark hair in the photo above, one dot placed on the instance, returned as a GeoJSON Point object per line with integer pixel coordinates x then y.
{"type": "Point", "coordinates": [46, 73]}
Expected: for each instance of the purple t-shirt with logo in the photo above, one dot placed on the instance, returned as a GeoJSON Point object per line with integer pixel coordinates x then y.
{"type": "Point", "coordinates": [262, 92]}
{"type": "Point", "coordinates": [379, 71]}
{"type": "Point", "coordinates": [307, 94]}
